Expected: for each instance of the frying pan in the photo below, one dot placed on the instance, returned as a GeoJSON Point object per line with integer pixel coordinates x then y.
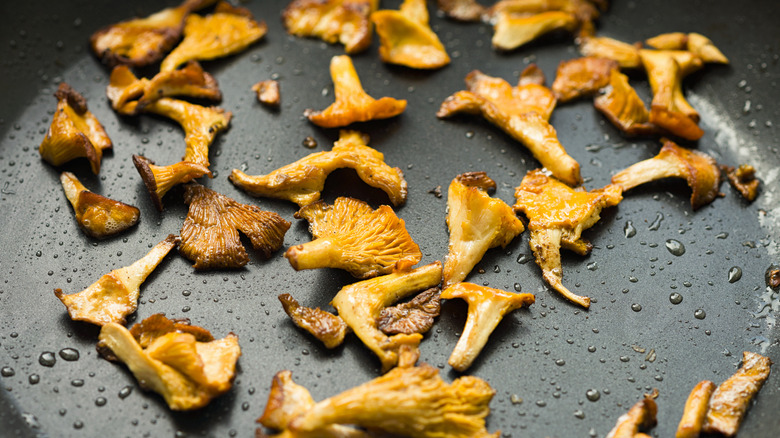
{"type": "Point", "coordinates": [542, 361]}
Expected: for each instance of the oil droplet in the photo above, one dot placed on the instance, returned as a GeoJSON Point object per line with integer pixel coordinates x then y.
{"type": "Point", "coordinates": [699, 314]}
{"type": "Point", "coordinates": [579, 414]}
{"type": "Point", "coordinates": [675, 298]}
{"type": "Point", "coordinates": [636, 307]}
{"type": "Point", "coordinates": [524, 258]}
{"type": "Point", "coordinates": [735, 273]}
{"type": "Point", "coordinates": [592, 395]}
{"type": "Point", "coordinates": [47, 359]}
{"type": "Point", "coordinates": [675, 247]}
{"type": "Point", "coordinates": [518, 287]}
{"type": "Point", "coordinates": [69, 354]}
{"type": "Point", "coordinates": [659, 217]}
{"type": "Point", "coordinates": [7, 372]}
{"type": "Point", "coordinates": [125, 392]}
{"type": "Point", "coordinates": [310, 142]}
{"type": "Point", "coordinates": [34, 379]}
{"type": "Point", "coordinates": [629, 229]}
{"type": "Point", "coordinates": [100, 401]}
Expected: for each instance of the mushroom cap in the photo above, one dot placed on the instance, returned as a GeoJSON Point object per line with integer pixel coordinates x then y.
{"type": "Point", "coordinates": [344, 21]}
{"type": "Point", "coordinates": [158, 180]}
{"type": "Point", "coordinates": [512, 31]}
{"type": "Point", "coordinates": [626, 55]}
{"type": "Point", "coordinates": [406, 37]}
{"type": "Point", "coordinates": [582, 77]}
{"type": "Point", "coordinates": [325, 326]}
{"type": "Point", "coordinates": [97, 215]}
{"type": "Point", "coordinates": [620, 103]}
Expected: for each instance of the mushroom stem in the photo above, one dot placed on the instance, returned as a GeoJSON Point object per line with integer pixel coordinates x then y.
{"type": "Point", "coordinates": [312, 255]}
{"type": "Point", "coordinates": [645, 171]}
{"type": "Point", "coordinates": [695, 411]}
{"type": "Point", "coordinates": [546, 246]}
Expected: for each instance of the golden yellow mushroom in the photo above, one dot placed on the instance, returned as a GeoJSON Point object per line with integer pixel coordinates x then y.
{"type": "Point", "coordinates": [513, 31]}
{"type": "Point", "coordinates": [97, 215]}
{"type": "Point", "coordinates": [158, 180]}
{"type": "Point", "coordinates": [581, 77]}
{"type": "Point", "coordinates": [461, 10]}
{"type": "Point", "coordinates": [695, 411]}
{"type": "Point", "coordinates": [641, 416]}
{"type": "Point", "coordinates": [323, 325]}
{"type": "Point", "coordinates": [626, 55]}
{"type": "Point", "coordinates": [268, 93]}
{"type": "Point", "coordinates": [622, 106]}
{"type": "Point", "coordinates": [343, 21]}
{"type": "Point", "coordinates": [695, 43]}
{"type": "Point", "coordinates": [406, 37]}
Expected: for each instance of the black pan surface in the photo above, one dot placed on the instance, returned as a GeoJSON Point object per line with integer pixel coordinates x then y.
{"type": "Point", "coordinates": [541, 361]}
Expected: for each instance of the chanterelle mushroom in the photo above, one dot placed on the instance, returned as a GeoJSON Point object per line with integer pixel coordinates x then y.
{"type": "Point", "coordinates": [699, 170]}
{"type": "Point", "coordinates": [626, 55]}
{"type": "Point", "coordinates": [74, 132]}
{"type": "Point", "coordinates": [227, 31]}
{"type": "Point", "coordinates": [187, 367]}
{"type": "Point", "coordinates": [522, 112]}
{"type": "Point", "coordinates": [415, 316]}
{"type": "Point", "coordinates": [97, 215]}
{"type": "Point", "coordinates": [115, 295]}
{"type": "Point", "coordinates": [695, 43]}
{"type": "Point", "coordinates": [581, 77]}
{"type": "Point", "coordinates": [513, 31]}
{"type": "Point", "coordinates": [344, 21]}
{"type": "Point", "coordinates": [160, 179]}
{"type": "Point", "coordinates": [352, 103]}
{"type": "Point", "coordinates": [268, 93]}
{"type": "Point", "coordinates": [209, 235]}
{"type": "Point", "coordinates": [350, 235]}
{"type": "Point", "coordinates": [557, 216]}
{"type": "Point", "coordinates": [620, 103]}
{"type": "Point", "coordinates": [743, 178]}
{"type": "Point", "coordinates": [461, 10]}
{"type": "Point", "coordinates": [695, 412]}
{"type": "Point", "coordinates": [476, 222]}
{"type": "Point", "coordinates": [406, 37]}
{"type": "Point", "coordinates": [323, 325]}
{"type": "Point", "coordinates": [302, 181]}
{"type": "Point", "coordinates": [359, 304]}
{"type": "Point", "coordinates": [641, 416]}
{"type": "Point", "coordinates": [487, 306]}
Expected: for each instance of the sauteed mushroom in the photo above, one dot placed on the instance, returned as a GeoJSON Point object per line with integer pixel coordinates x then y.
{"type": "Point", "coordinates": [344, 21]}
{"type": "Point", "coordinates": [323, 325]}
{"type": "Point", "coordinates": [415, 316]}
{"type": "Point", "coordinates": [462, 10]}
{"type": "Point", "coordinates": [641, 416]}
{"type": "Point", "coordinates": [158, 180]}
{"type": "Point", "coordinates": [97, 215]}
{"type": "Point", "coordinates": [743, 178]}
{"type": "Point", "coordinates": [626, 55]}
{"type": "Point", "coordinates": [693, 42]}
{"type": "Point", "coordinates": [582, 77]}
{"type": "Point", "coordinates": [623, 107]}
{"type": "Point", "coordinates": [513, 31]}
{"type": "Point", "coordinates": [268, 93]}
{"type": "Point", "coordinates": [695, 412]}
{"type": "Point", "coordinates": [406, 37]}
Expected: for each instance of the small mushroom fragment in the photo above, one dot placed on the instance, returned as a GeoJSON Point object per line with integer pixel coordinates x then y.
{"type": "Point", "coordinates": [227, 31]}
{"type": "Point", "coordinates": [350, 235]}
{"type": "Point", "coordinates": [731, 399]}
{"type": "Point", "coordinates": [580, 77]}
{"type": "Point", "coordinates": [406, 37]}
{"type": "Point", "coordinates": [415, 316]}
{"type": "Point", "coordinates": [97, 215]}
{"type": "Point", "coordinates": [360, 304]}
{"type": "Point", "coordinates": [160, 179]}
{"type": "Point", "coordinates": [620, 103]}
{"type": "Point", "coordinates": [352, 103]}
{"type": "Point", "coordinates": [699, 170]}
{"type": "Point", "coordinates": [124, 89]}
{"type": "Point", "coordinates": [557, 216]}
{"type": "Point", "coordinates": [641, 416]}
{"type": "Point", "coordinates": [187, 367]}
{"type": "Point", "coordinates": [209, 235]}
{"type": "Point", "coordinates": [522, 112]}
{"type": "Point", "coordinates": [74, 132]}
{"type": "Point", "coordinates": [115, 295]}
{"type": "Point", "coordinates": [743, 178]}
{"type": "Point", "coordinates": [143, 41]}
{"type": "Point", "coordinates": [695, 411]}
{"type": "Point", "coordinates": [344, 21]}
{"type": "Point", "coordinates": [476, 222]}
{"type": "Point", "coordinates": [513, 31]}
{"type": "Point", "coordinates": [626, 55]}
{"type": "Point", "coordinates": [268, 93]}
{"type": "Point", "coordinates": [583, 10]}
{"type": "Point", "coordinates": [695, 43]}
{"type": "Point", "coordinates": [323, 325]}
{"type": "Point", "coordinates": [487, 306]}
{"type": "Point", "coordinates": [302, 181]}
{"type": "Point", "coordinates": [461, 10]}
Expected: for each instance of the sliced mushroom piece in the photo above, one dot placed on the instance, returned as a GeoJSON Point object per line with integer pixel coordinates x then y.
{"type": "Point", "coordinates": [115, 295]}
{"type": "Point", "coordinates": [406, 37]}
{"type": "Point", "coordinates": [512, 31]}
{"type": "Point", "coordinates": [415, 316]}
{"type": "Point", "coordinates": [620, 103]}
{"type": "Point", "coordinates": [580, 77]}
{"type": "Point", "coordinates": [227, 31]}
{"type": "Point", "coordinates": [97, 215]}
{"type": "Point", "coordinates": [359, 304]}
{"type": "Point", "coordinates": [695, 411]}
{"type": "Point", "coordinates": [334, 21]}
{"type": "Point", "coordinates": [160, 179]}
{"type": "Point", "coordinates": [350, 235]}
{"type": "Point", "coordinates": [209, 235]}
{"type": "Point", "coordinates": [743, 178]}
{"type": "Point", "coordinates": [583, 10]}
{"type": "Point", "coordinates": [186, 372]}
{"type": "Point", "coordinates": [268, 93]}
{"type": "Point", "coordinates": [352, 103]}
{"type": "Point", "coordinates": [323, 325]}
{"type": "Point", "coordinates": [462, 10]}
{"type": "Point", "coordinates": [487, 306]}
{"type": "Point", "coordinates": [302, 181]}
{"type": "Point", "coordinates": [695, 43]}
{"type": "Point", "coordinates": [124, 89]}
{"type": "Point", "coordinates": [74, 132]}
{"type": "Point", "coordinates": [698, 169]}
{"type": "Point", "coordinates": [476, 222]}
{"type": "Point", "coordinates": [557, 217]}
{"type": "Point", "coordinates": [626, 55]}
{"type": "Point", "coordinates": [731, 399]}
{"type": "Point", "coordinates": [641, 416]}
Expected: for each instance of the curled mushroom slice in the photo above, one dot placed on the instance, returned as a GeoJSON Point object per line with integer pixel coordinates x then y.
{"type": "Point", "coordinates": [697, 168]}
{"type": "Point", "coordinates": [580, 77]}
{"type": "Point", "coordinates": [302, 181]}
{"type": "Point", "coordinates": [641, 416]}
{"type": "Point", "coordinates": [115, 295]}
{"type": "Point", "coordinates": [350, 235]}
{"type": "Point", "coordinates": [325, 326]}
{"type": "Point", "coordinates": [209, 235]}
{"type": "Point", "coordinates": [124, 89]}
{"type": "Point", "coordinates": [415, 316]}
{"type": "Point", "coordinates": [344, 21]}
{"type": "Point", "coordinates": [743, 178]}
{"type": "Point", "coordinates": [406, 37]}
{"type": "Point", "coordinates": [512, 31]}
{"type": "Point", "coordinates": [267, 92]}
{"type": "Point", "coordinates": [352, 103]}
{"type": "Point", "coordinates": [74, 132]}
{"type": "Point", "coordinates": [487, 306]}
{"type": "Point", "coordinates": [186, 371]}
{"type": "Point", "coordinates": [359, 304]}
{"type": "Point", "coordinates": [557, 216]}
{"type": "Point", "coordinates": [620, 103]}
{"type": "Point", "coordinates": [695, 43]}
{"type": "Point", "coordinates": [695, 411]}
{"type": "Point", "coordinates": [227, 31]}
{"type": "Point", "coordinates": [461, 10]}
{"type": "Point", "coordinates": [626, 55]}
{"type": "Point", "coordinates": [731, 399]}
{"type": "Point", "coordinates": [97, 215]}
{"type": "Point", "coordinates": [160, 179]}
{"type": "Point", "coordinates": [476, 222]}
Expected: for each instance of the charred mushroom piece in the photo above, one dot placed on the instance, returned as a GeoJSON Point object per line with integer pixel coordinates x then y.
{"type": "Point", "coordinates": [352, 103]}
{"type": "Point", "coordinates": [695, 410]}
{"type": "Point", "coordinates": [416, 316]}
{"type": "Point", "coordinates": [695, 43]}
{"type": "Point", "coordinates": [476, 222]}
{"type": "Point", "coordinates": [343, 21]}
{"type": "Point", "coordinates": [74, 132]}
{"type": "Point", "coordinates": [512, 31]}
{"type": "Point", "coordinates": [325, 326]}
{"type": "Point", "coordinates": [487, 306]}
{"type": "Point", "coordinates": [462, 10]}
{"type": "Point", "coordinates": [160, 179]}
{"type": "Point", "coordinates": [97, 215]}
{"type": "Point", "coordinates": [522, 112]}
{"type": "Point", "coordinates": [115, 295]}
{"type": "Point", "coordinates": [743, 178]}
{"type": "Point", "coordinates": [641, 416]}
{"type": "Point", "coordinates": [186, 372]}
{"type": "Point", "coordinates": [359, 304]}
{"type": "Point", "coordinates": [557, 216]}
{"type": "Point", "coordinates": [302, 181]}
{"type": "Point", "coordinates": [350, 235]}
{"type": "Point", "coordinates": [580, 77]}
{"type": "Point", "coordinates": [731, 399]}
{"type": "Point", "coordinates": [699, 170]}
{"type": "Point", "coordinates": [268, 93]}
{"type": "Point", "coordinates": [227, 31]}
{"type": "Point", "coordinates": [626, 55]}
{"type": "Point", "coordinates": [620, 103]}
{"type": "Point", "coordinates": [406, 37]}
{"type": "Point", "coordinates": [209, 235]}
{"type": "Point", "coordinates": [143, 41]}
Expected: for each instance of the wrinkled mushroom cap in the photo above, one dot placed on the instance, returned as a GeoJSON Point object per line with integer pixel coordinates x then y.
{"type": "Point", "coordinates": [325, 326]}
{"type": "Point", "coordinates": [158, 180]}
{"type": "Point", "coordinates": [344, 21]}
{"type": "Point", "coordinates": [97, 215]}
{"type": "Point", "coordinates": [406, 37]}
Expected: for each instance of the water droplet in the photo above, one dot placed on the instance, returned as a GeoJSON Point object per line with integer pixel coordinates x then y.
{"type": "Point", "coordinates": [518, 287]}
{"type": "Point", "coordinates": [469, 134]}
{"type": "Point", "coordinates": [7, 372]}
{"type": "Point", "coordinates": [100, 401]}
{"type": "Point", "coordinates": [675, 247]}
{"type": "Point", "coordinates": [579, 414]}
{"type": "Point", "coordinates": [69, 354]}
{"type": "Point", "coordinates": [34, 379]}
{"type": "Point", "coordinates": [735, 273]}
{"type": "Point", "coordinates": [186, 293]}
{"type": "Point", "coordinates": [245, 406]}
{"type": "Point", "coordinates": [47, 359]}
{"type": "Point", "coordinates": [524, 258]}
{"type": "Point", "coordinates": [77, 382]}
{"type": "Point", "coordinates": [629, 229]}
{"type": "Point", "coordinates": [186, 309]}
{"type": "Point", "coordinates": [125, 392]}
{"type": "Point", "coordinates": [624, 358]}
{"type": "Point", "coordinates": [310, 142]}
{"type": "Point", "coordinates": [591, 348]}
{"type": "Point", "coordinates": [592, 395]}
{"type": "Point", "coordinates": [659, 217]}
{"type": "Point", "coordinates": [722, 235]}
{"type": "Point", "coordinates": [560, 362]}
{"type": "Point", "coordinates": [636, 307]}
{"type": "Point", "coordinates": [699, 314]}
{"type": "Point", "coordinates": [78, 424]}
{"type": "Point", "coordinates": [675, 298]}
{"type": "Point", "coordinates": [593, 266]}
{"type": "Point", "coordinates": [541, 403]}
